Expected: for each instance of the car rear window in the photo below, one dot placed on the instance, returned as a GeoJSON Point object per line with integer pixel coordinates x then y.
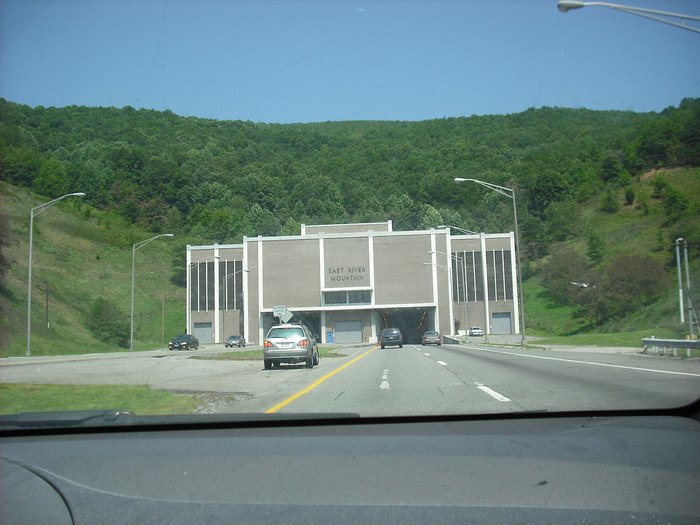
{"type": "Point", "coordinates": [285, 333]}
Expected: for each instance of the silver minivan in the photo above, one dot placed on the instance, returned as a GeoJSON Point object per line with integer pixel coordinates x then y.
{"type": "Point", "coordinates": [290, 343]}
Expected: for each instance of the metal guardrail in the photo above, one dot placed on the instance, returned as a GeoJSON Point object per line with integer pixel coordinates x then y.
{"type": "Point", "coordinates": [666, 346]}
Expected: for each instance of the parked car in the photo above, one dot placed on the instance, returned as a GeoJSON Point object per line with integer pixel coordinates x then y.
{"type": "Point", "coordinates": [290, 343]}
{"type": "Point", "coordinates": [391, 337]}
{"type": "Point", "coordinates": [431, 338]}
{"type": "Point", "coordinates": [476, 330]}
{"type": "Point", "coordinates": [183, 342]}
{"type": "Point", "coordinates": [235, 340]}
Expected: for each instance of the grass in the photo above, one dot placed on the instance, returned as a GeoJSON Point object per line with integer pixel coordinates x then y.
{"type": "Point", "coordinates": [623, 339]}
{"type": "Point", "coordinates": [82, 254]}
{"type": "Point", "coordinates": [141, 400]}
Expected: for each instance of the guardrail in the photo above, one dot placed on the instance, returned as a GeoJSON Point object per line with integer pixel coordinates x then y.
{"type": "Point", "coordinates": [665, 346]}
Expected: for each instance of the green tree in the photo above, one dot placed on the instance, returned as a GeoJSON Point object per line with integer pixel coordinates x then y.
{"type": "Point", "coordinates": [610, 202]}
{"type": "Point", "coordinates": [107, 323]}
{"type": "Point", "coordinates": [52, 180]}
{"type": "Point", "coordinates": [596, 248]}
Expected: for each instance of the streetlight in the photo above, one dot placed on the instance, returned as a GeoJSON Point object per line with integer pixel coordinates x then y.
{"type": "Point", "coordinates": [653, 14]}
{"type": "Point", "coordinates": [452, 278]}
{"type": "Point", "coordinates": [447, 226]}
{"type": "Point", "coordinates": [225, 308]}
{"type": "Point", "coordinates": [188, 300]}
{"type": "Point", "coordinates": [36, 211]}
{"type": "Point", "coordinates": [509, 192]}
{"type": "Point", "coordinates": [135, 247]}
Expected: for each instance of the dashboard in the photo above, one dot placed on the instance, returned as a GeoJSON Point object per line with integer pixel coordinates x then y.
{"type": "Point", "coordinates": [525, 468]}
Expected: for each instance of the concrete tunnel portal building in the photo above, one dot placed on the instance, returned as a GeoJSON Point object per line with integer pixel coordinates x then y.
{"type": "Point", "coordinates": [347, 282]}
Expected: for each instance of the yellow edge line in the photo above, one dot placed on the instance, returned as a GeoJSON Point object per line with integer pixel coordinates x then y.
{"type": "Point", "coordinates": [315, 384]}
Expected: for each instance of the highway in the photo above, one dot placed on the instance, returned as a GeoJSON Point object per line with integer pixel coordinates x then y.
{"type": "Point", "coordinates": [454, 379]}
{"type": "Point", "coordinates": [369, 381]}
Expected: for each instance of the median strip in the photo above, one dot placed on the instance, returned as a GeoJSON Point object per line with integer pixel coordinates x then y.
{"type": "Point", "coordinates": [315, 384]}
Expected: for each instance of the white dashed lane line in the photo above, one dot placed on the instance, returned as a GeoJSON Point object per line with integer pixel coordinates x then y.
{"type": "Point", "coordinates": [384, 385]}
{"type": "Point", "coordinates": [491, 392]}
{"type": "Point", "coordinates": [480, 386]}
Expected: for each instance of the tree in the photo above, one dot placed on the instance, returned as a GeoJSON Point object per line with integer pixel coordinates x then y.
{"type": "Point", "coordinates": [610, 203]}
{"type": "Point", "coordinates": [52, 180]}
{"type": "Point", "coordinates": [596, 248]}
{"type": "Point", "coordinates": [626, 283]}
{"type": "Point", "coordinates": [107, 323]}
{"type": "Point", "coordinates": [564, 268]}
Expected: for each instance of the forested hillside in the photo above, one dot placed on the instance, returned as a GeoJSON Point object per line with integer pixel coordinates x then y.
{"type": "Point", "coordinates": [216, 181]}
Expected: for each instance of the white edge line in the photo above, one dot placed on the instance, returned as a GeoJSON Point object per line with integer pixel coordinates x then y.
{"type": "Point", "coordinates": [589, 363]}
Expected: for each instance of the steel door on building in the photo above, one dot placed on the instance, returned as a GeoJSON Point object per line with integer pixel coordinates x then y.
{"type": "Point", "coordinates": [204, 332]}
{"type": "Point", "coordinates": [501, 323]}
{"type": "Point", "coordinates": [348, 332]}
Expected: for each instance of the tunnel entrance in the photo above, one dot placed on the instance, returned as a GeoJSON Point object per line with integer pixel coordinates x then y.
{"type": "Point", "coordinates": [411, 321]}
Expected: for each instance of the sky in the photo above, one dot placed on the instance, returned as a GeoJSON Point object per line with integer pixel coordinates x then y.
{"type": "Point", "coordinates": [285, 61]}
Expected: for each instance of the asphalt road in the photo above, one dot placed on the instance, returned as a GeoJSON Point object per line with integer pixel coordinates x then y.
{"type": "Point", "coordinates": [411, 380]}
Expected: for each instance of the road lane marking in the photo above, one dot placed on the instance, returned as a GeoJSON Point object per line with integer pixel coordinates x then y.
{"type": "Point", "coordinates": [385, 384]}
{"type": "Point", "coordinates": [491, 392]}
{"type": "Point", "coordinates": [576, 361]}
{"type": "Point", "coordinates": [313, 385]}
{"type": "Point", "coordinates": [442, 363]}
{"type": "Point", "coordinates": [424, 353]}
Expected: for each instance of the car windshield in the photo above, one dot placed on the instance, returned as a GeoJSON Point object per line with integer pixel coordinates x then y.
{"type": "Point", "coordinates": [519, 180]}
{"type": "Point", "coordinates": [285, 333]}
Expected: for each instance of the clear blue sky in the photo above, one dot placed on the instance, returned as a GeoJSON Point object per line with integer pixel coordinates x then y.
{"type": "Point", "coordinates": [318, 60]}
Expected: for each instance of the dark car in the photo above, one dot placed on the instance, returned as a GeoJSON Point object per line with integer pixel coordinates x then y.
{"type": "Point", "coordinates": [183, 342]}
{"type": "Point", "coordinates": [431, 337]}
{"type": "Point", "coordinates": [235, 340]}
{"type": "Point", "coordinates": [391, 337]}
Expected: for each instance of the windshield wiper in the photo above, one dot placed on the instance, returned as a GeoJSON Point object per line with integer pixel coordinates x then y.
{"type": "Point", "coordinates": [120, 418]}
{"type": "Point", "coordinates": [67, 419]}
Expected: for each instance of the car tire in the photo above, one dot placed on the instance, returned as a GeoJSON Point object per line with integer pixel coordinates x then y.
{"type": "Point", "coordinates": [382, 347]}
{"type": "Point", "coordinates": [400, 346]}
{"type": "Point", "coordinates": [439, 344]}
{"type": "Point", "coordinates": [268, 364]}
{"type": "Point", "coordinates": [316, 358]}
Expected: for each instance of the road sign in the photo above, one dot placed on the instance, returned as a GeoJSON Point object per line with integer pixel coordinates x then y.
{"type": "Point", "coordinates": [279, 311]}
{"type": "Point", "coordinates": [282, 313]}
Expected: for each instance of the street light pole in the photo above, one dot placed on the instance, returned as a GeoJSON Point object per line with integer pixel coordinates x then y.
{"type": "Point", "coordinates": [653, 14]}
{"type": "Point", "coordinates": [36, 211]}
{"type": "Point", "coordinates": [467, 232]}
{"type": "Point", "coordinates": [135, 247]}
{"type": "Point", "coordinates": [509, 192]}
{"type": "Point", "coordinates": [225, 309]}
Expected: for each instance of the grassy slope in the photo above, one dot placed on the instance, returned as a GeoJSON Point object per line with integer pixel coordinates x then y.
{"type": "Point", "coordinates": [629, 231]}
{"type": "Point", "coordinates": [82, 254]}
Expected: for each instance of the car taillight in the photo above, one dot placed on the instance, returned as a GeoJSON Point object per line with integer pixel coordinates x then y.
{"type": "Point", "coordinates": [268, 344]}
{"type": "Point", "coordinates": [303, 342]}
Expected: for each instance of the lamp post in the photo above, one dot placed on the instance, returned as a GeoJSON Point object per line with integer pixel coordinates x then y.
{"type": "Point", "coordinates": [467, 232]}
{"type": "Point", "coordinates": [135, 247]}
{"type": "Point", "coordinates": [188, 300]}
{"type": "Point", "coordinates": [452, 278]}
{"type": "Point", "coordinates": [509, 192]}
{"type": "Point", "coordinates": [36, 211]}
{"type": "Point", "coordinates": [225, 308]}
{"type": "Point", "coordinates": [653, 14]}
